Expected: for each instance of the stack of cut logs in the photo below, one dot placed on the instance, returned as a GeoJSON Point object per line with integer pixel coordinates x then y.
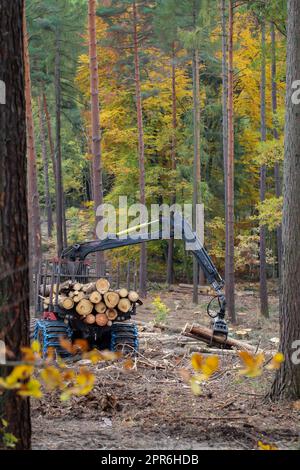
{"type": "Point", "coordinates": [95, 302]}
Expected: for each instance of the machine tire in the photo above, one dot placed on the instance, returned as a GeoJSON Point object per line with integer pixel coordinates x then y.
{"type": "Point", "coordinates": [124, 338]}
{"type": "Point", "coordinates": [48, 334]}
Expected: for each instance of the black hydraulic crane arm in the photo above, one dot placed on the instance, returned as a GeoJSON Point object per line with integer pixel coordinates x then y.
{"type": "Point", "coordinates": [179, 228]}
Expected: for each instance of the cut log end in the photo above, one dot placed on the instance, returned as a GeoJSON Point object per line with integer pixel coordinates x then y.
{"type": "Point", "coordinates": [102, 285]}
{"type": "Point", "coordinates": [111, 314]}
{"type": "Point", "coordinates": [124, 305]}
{"type": "Point", "coordinates": [101, 319]}
{"type": "Point", "coordinates": [90, 319]}
{"type": "Point", "coordinates": [111, 299]}
{"type": "Point", "coordinates": [133, 296]}
{"type": "Point", "coordinates": [95, 297]}
{"type": "Point", "coordinates": [84, 307]}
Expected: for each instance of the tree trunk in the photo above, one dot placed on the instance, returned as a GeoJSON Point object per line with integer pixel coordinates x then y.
{"type": "Point", "coordinates": [48, 204]}
{"type": "Point", "coordinates": [33, 195]}
{"type": "Point", "coordinates": [275, 133]}
{"type": "Point", "coordinates": [95, 117]}
{"type": "Point", "coordinates": [59, 182]}
{"type": "Point", "coordinates": [49, 129]}
{"type": "Point", "coordinates": [141, 147]}
{"type": "Point", "coordinates": [287, 380]}
{"type": "Point", "coordinates": [196, 164]}
{"type": "Point", "coordinates": [229, 264]}
{"type": "Point", "coordinates": [170, 265]}
{"type": "Point", "coordinates": [225, 109]}
{"type": "Point", "coordinates": [263, 176]}
{"type": "Point", "coordinates": [14, 310]}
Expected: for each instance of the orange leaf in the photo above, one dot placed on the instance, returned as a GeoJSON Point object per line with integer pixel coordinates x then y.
{"type": "Point", "coordinates": [252, 364]}
{"type": "Point", "coordinates": [197, 361]}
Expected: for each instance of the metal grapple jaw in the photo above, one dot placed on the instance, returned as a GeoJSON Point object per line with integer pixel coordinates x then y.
{"type": "Point", "coordinates": [217, 314]}
{"type": "Point", "coordinates": [220, 327]}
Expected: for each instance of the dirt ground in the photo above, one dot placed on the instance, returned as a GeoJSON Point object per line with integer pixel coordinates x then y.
{"type": "Point", "coordinates": [151, 407]}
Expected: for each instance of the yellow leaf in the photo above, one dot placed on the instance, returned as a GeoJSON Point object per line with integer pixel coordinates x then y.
{"type": "Point", "coordinates": [32, 388]}
{"type": "Point", "coordinates": [8, 386]}
{"type": "Point", "coordinates": [252, 364]}
{"type": "Point", "coordinates": [85, 382]}
{"type": "Point", "coordinates": [209, 367]}
{"type": "Point", "coordinates": [197, 360]}
{"type": "Point", "coordinates": [276, 362]}
{"type": "Point", "coordinates": [94, 356]}
{"type": "Point", "coordinates": [52, 377]}
{"type": "Point", "coordinates": [19, 374]}
{"type": "Point", "coordinates": [27, 354]}
{"type": "Point", "coordinates": [36, 347]}
{"type": "Point", "coordinates": [263, 446]}
{"type": "Point", "coordinates": [195, 386]}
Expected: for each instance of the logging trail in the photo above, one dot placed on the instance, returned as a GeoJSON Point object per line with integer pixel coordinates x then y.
{"type": "Point", "coordinates": [151, 407]}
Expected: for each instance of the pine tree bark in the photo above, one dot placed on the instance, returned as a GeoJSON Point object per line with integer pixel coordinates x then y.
{"type": "Point", "coordinates": [58, 163]}
{"type": "Point", "coordinates": [48, 203]}
{"type": "Point", "coordinates": [33, 195]}
{"type": "Point", "coordinates": [170, 264]}
{"type": "Point", "coordinates": [263, 176]}
{"type": "Point", "coordinates": [14, 260]}
{"type": "Point", "coordinates": [225, 109]}
{"type": "Point", "coordinates": [277, 176]}
{"type": "Point", "coordinates": [141, 146]}
{"type": "Point", "coordinates": [95, 117]}
{"type": "Point", "coordinates": [196, 164]}
{"type": "Point", "coordinates": [287, 380]}
{"type": "Point", "coordinates": [229, 263]}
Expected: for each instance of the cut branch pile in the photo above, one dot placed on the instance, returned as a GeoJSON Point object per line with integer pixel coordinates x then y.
{"type": "Point", "coordinates": [95, 303]}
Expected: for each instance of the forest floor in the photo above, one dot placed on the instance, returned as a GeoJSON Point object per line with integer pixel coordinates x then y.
{"type": "Point", "coordinates": [151, 407]}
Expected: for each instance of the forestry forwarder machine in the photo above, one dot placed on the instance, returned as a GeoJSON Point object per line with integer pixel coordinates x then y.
{"type": "Point", "coordinates": [122, 334]}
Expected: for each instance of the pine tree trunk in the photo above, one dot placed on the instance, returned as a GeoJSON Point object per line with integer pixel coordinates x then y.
{"type": "Point", "coordinates": [196, 165]}
{"type": "Point", "coordinates": [225, 109]}
{"type": "Point", "coordinates": [141, 147]}
{"type": "Point", "coordinates": [58, 163]}
{"type": "Point", "coordinates": [277, 177]}
{"type": "Point", "coordinates": [170, 266]}
{"type": "Point", "coordinates": [14, 308]}
{"type": "Point", "coordinates": [49, 129]}
{"type": "Point", "coordinates": [48, 204]}
{"type": "Point", "coordinates": [263, 175]}
{"type": "Point", "coordinates": [229, 264]}
{"type": "Point", "coordinates": [287, 380]}
{"type": "Point", "coordinates": [33, 195]}
{"type": "Point", "coordinates": [95, 116]}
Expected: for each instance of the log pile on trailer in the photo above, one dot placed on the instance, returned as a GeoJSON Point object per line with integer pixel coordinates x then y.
{"type": "Point", "coordinates": [95, 303]}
